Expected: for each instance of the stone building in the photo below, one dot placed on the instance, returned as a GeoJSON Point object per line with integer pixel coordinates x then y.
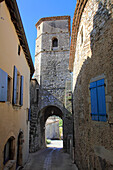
{"type": "Point", "coordinates": [52, 128]}
{"type": "Point", "coordinates": [16, 69]}
{"type": "Point", "coordinates": [51, 73]}
{"type": "Point", "coordinates": [91, 61]}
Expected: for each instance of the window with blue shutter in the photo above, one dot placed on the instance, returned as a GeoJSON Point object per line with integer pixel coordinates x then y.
{"type": "Point", "coordinates": [21, 90]}
{"type": "Point", "coordinates": [3, 85]}
{"type": "Point", "coordinates": [14, 85]}
{"type": "Point", "coordinates": [98, 103]}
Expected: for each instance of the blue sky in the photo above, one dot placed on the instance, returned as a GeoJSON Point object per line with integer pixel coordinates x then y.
{"type": "Point", "coordinates": [32, 10]}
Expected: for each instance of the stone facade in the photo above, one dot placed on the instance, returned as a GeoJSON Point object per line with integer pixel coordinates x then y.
{"type": "Point", "coordinates": [52, 128]}
{"type": "Point", "coordinates": [51, 73]}
{"type": "Point", "coordinates": [92, 60]}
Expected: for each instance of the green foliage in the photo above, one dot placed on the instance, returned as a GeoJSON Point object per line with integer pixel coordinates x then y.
{"type": "Point", "coordinates": [60, 132]}
{"type": "Point", "coordinates": [60, 123]}
{"type": "Point", "coordinates": [48, 141]}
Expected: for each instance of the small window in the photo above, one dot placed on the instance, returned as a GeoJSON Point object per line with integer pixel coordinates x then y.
{"type": "Point", "coordinates": [98, 103]}
{"type": "Point", "coordinates": [9, 150]}
{"type": "Point", "coordinates": [29, 114]}
{"type": "Point", "coordinates": [19, 49]}
{"type": "Point", "coordinates": [9, 90]}
{"type": "Point", "coordinates": [55, 42]}
{"type": "Point", "coordinates": [81, 36]}
{"type": "Point", "coordinates": [37, 94]}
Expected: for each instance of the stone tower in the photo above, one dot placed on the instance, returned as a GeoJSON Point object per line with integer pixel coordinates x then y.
{"type": "Point", "coordinates": [51, 74]}
{"type": "Point", "coordinates": [52, 54]}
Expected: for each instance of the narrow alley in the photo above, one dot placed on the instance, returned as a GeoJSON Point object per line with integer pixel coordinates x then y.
{"type": "Point", "coordinates": [50, 158]}
{"type": "Point", "coordinates": [56, 95]}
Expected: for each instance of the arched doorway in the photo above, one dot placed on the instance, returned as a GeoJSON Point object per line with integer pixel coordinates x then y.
{"type": "Point", "coordinates": [38, 121]}
{"type": "Point", "coordinates": [9, 150]}
{"type": "Point", "coordinates": [19, 150]}
{"type": "Point", "coordinates": [48, 112]}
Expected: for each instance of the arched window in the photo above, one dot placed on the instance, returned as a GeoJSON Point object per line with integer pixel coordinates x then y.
{"type": "Point", "coordinates": [55, 42]}
{"type": "Point", "coordinates": [9, 150]}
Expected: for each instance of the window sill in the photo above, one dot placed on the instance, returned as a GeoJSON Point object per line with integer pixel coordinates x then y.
{"type": "Point", "coordinates": [16, 106]}
{"type": "Point", "coordinates": [55, 48]}
{"type": "Point", "coordinates": [8, 102]}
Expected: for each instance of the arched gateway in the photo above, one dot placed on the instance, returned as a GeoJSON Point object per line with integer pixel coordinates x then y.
{"type": "Point", "coordinates": [50, 94]}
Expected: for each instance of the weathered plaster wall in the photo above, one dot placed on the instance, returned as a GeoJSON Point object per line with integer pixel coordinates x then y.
{"type": "Point", "coordinates": [13, 119]}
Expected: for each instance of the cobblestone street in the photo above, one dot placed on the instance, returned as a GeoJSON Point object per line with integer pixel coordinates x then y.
{"type": "Point", "coordinates": [51, 158]}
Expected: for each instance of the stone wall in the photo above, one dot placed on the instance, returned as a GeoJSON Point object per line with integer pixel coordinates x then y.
{"type": "Point", "coordinates": [51, 73]}
{"type": "Point", "coordinates": [52, 128]}
{"type": "Point", "coordinates": [34, 142]}
{"type": "Point", "coordinates": [93, 61]}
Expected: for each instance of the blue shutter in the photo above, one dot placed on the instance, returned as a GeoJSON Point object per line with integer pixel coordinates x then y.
{"type": "Point", "coordinates": [14, 84]}
{"type": "Point", "coordinates": [101, 100]}
{"type": "Point", "coordinates": [29, 114]}
{"type": "Point", "coordinates": [3, 85]}
{"type": "Point", "coordinates": [21, 90]}
{"type": "Point", "coordinates": [94, 104]}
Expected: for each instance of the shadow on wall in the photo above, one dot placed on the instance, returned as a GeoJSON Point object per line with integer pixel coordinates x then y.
{"type": "Point", "coordinates": [94, 139]}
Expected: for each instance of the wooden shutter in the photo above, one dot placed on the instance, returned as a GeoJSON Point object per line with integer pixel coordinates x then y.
{"type": "Point", "coordinates": [3, 85]}
{"type": "Point", "coordinates": [14, 84]}
{"type": "Point", "coordinates": [21, 90]}
{"type": "Point", "coordinates": [101, 100]}
{"type": "Point", "coordinates": [94, 104]}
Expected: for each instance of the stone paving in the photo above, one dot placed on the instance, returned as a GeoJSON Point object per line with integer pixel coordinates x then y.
{"type": "Point", "coordinates": [51, 158]}
{"type": "Point", "coordinates": [56, 144]}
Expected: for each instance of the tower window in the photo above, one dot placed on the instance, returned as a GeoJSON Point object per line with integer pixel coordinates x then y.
{"type": "Point", "coordinates": [55, 42]}
{"type": "Point", "coordinates": [81, 36]}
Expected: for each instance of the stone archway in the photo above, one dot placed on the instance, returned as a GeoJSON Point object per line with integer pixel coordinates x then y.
{"type": "Point", "coordinates": [37, 126]}
{"type": "Point", "coordinates": [44, 115]}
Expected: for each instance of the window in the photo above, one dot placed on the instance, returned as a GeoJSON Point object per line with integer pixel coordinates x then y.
{"type": "Point", "coordinates": [81, 36]}
{"type": "Point", "coordinates": [9, 89]}
{"type": "Point", "coordinates": [9, 150]}
{"type": "Point", "coordinates": [55, 42]}
{"type": "Point", "coordinates": [29, 114]}
{"type": "Point", "coordinates": [3, 85]}
{"type": "Point", "coordinates": [37, 95]}
{"type": "Point", "coordinates": [17, 88]}
{"type": "Point", "coordinates": [19, 49]}
{"type": "Point", "coordinates": [98, 103]}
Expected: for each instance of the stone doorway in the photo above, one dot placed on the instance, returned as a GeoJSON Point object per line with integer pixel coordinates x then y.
{"type": "Point", "coordinates": [19, 150]}
{"type": "Point", "coordinates": [48, 112]}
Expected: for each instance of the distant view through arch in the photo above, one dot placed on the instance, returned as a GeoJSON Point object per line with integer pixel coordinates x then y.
{"type": "Point", "coordinates": [54, 132]}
